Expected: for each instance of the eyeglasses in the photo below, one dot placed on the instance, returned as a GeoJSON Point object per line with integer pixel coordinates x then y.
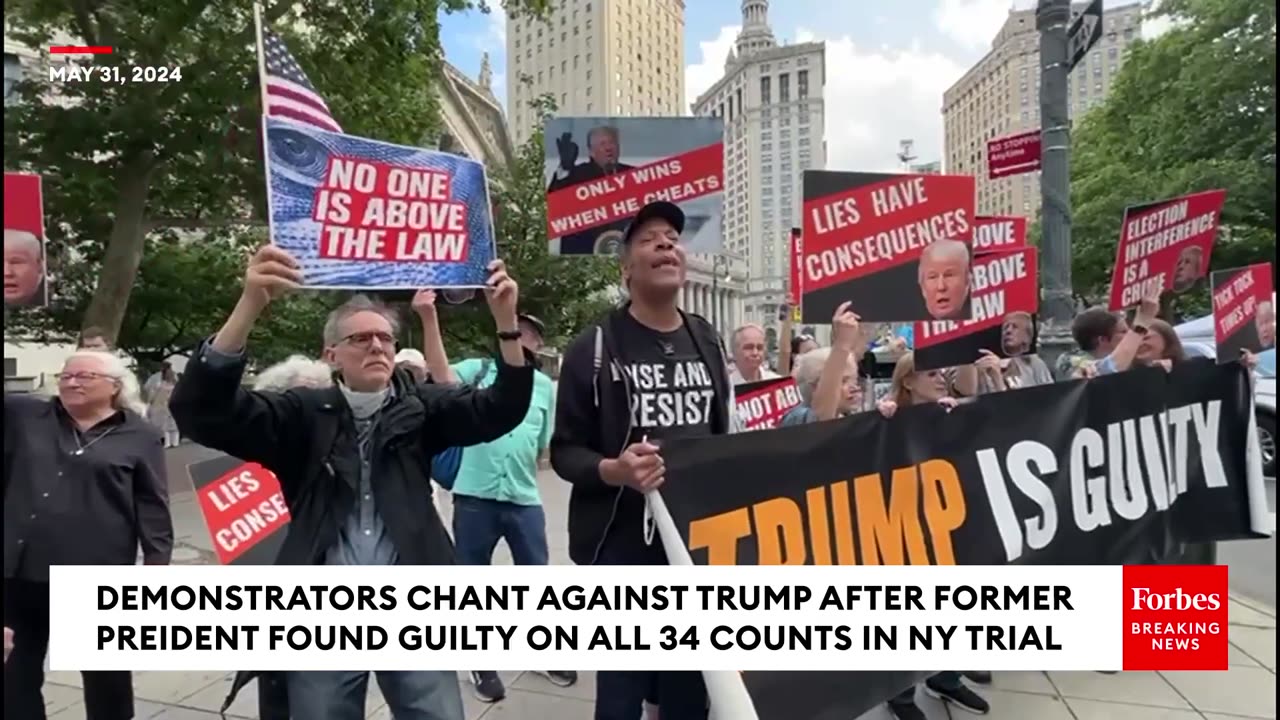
{"type": "Point", "coordinates": [83, 377]}
{"type": "Point", "coordinates": [364, 340]}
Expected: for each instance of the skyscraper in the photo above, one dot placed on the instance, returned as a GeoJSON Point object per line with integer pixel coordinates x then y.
{"type": "Point", "coordinates": [1000, 96]}
{"type": "Point", "coordinates": [771, 100]}
{"type": "Point", "coordinates": [597, 57]}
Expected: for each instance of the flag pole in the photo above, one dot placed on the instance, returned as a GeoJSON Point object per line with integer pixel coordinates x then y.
{"type": "Point", "coordinates": [262, 122]}
{"type": "Point", "coordinates": [262, 57]}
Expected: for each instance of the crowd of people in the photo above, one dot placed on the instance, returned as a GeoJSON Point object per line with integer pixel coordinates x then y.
{"type": "Point", "coordinates": [362, 437]}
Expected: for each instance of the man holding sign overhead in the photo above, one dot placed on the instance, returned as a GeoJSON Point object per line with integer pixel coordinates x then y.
{"type": "Point", "coordinates": [353, 460]}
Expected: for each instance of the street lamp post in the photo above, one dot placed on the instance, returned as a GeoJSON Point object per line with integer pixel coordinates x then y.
{"type": "Point", "coordinates": [1052, 20]}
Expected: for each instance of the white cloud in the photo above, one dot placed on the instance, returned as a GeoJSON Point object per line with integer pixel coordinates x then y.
{"type": "Point", "coordinates": [971, 23]}
{"type": "Point", "coordinates": [703, 74]}
{"type": "Point", "coordinates": [498, 25]}
{"type": "Point", "coordinates": [1154, 27]}
{"type": "Point", "coordinates": [874, 97]}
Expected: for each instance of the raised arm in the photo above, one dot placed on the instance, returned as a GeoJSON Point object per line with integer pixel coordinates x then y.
{"type": "Point", "coordinates": [462, 415]}
{"type": "Point", "coordinates": [210, 404]}
{"type": "Point", "coordinates": [424, 304]}
{"type": "Point", "coordinates": [1121, 358]}
{"type": "Point", "coordinates": [846, 337]}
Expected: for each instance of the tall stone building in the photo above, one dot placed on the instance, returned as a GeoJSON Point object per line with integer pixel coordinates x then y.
{"type": "Point", "coordinates": [605, 58]}
{"type": "Point", "coordinates": [771, 100]}
{"type": "Point", "coordinates": [1000, 96]}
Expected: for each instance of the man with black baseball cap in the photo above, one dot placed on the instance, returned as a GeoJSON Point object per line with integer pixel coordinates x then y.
{"type": "Point", "coordinates": [645, 374]}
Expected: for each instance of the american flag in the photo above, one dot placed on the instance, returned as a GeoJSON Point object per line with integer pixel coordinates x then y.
{"type": "Point", "coordinates": [290, 94]}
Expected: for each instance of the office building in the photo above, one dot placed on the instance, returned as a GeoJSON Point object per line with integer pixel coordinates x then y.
{"type": "Point", "coordinates": [1000, 96]}
{"type": "Point", "coordinates": [606, 58]}
{"type": "Point", "coordinates": [771, 100]}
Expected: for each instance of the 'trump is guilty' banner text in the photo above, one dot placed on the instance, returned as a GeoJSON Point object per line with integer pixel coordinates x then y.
{"type": "Point", "coordinates": [897, 246]}
{"type": "Point", "coordinates": [1006, 295]}
{"type": "Point", "coordinates": [358, 213]}
{"type": "Point", "coordinates": [601, 171]}
{"type": "Point", "coordinates": [1164, 246]}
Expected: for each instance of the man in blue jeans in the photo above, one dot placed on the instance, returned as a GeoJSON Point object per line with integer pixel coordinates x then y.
{"type": "Point", "coordinates": [495, 495]}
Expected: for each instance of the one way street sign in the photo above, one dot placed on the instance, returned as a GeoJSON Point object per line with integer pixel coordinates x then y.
{"type": "Point", "coordinates": [1084, 33]}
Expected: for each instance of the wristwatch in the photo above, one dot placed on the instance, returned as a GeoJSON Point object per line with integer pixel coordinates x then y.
{"type": "Point", "coordinates": [1140, 329]}
{"type": "Point", "coordinates": [508, 334]}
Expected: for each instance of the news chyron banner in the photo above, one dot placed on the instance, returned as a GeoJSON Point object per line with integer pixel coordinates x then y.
{"type": "Point", "coordinates": [992, 233]}
{"type": "Point", "coordinates": [600, 171]}
{"type": "Point", "coordinates": [1244, 313]}
{"type": "Point", "coordinates": [25, 282]}
{"type": "Point", "coordinates": [243, 508]}
{"type": "Point", "coordinates": [895, 246]}
{"type": "Point", "coordinates": [1006, 296]}
{"type": "Point", "coordinates": [361, 214]}
{"type": "Point", "coordinates": [762, 404]}
{"type": "Point", "coordinates": [1066, 474]}
{"type": "Point", "coordinates": [1013, 155]}
{"type": "Point", "coordinates": [1165, 246]}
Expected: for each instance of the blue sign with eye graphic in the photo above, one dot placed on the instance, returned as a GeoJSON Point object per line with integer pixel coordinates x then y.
{"type": "Point", "coordinates": [362, 214]}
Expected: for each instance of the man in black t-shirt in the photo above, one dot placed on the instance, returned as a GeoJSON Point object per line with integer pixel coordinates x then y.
{"type": "Point", "coordinates": [646, 374]}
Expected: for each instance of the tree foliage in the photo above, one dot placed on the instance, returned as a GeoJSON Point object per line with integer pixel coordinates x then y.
{"type": "Point", "coordinates": [566, 293]}
{"type": "Point", "coordinates": [122, 161]}
{"type": "Point", "coordinates": [1192, 110]}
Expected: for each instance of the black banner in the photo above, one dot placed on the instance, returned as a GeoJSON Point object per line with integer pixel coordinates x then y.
{"type": "Point", "coordinates": [1121, 469]}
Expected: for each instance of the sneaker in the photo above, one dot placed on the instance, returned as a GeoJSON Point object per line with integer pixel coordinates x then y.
{"type": "Point", "coordinates": [906, 711]}
{"type": "Point", "coordinates": [962, 697]}
{"type": "Point", "coordinates": [487, 686]}
{"type": "Point", "coordinates": [982, 677]}
{"type": "Point", "coordinates": [559, 678]}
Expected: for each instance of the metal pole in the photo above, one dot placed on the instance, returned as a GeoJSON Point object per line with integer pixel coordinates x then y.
{"type": "Point", "coordinates": [715, 283]}
{"type": "Point", "coordinates": [1056, 309]}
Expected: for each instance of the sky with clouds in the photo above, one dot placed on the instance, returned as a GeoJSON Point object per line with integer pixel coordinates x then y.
{"type": "Point", "coordinates": [888, 63]}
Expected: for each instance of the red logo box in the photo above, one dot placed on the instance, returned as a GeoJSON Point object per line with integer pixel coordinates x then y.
{"type": "Point", "coordinates": [1175, 617]}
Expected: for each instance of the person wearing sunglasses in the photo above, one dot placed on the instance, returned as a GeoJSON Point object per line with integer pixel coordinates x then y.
{"type": "Point", "coordinates": [354, 460]}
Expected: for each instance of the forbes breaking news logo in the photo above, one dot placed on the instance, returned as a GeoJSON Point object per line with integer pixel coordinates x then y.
{"type": "Point", "coordinates": [1175, 617]}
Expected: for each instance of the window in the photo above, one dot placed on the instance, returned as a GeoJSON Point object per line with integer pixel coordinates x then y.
{"type": "Point", "coordinates": [539, 77]}
{"type": "Point", "coordinates": [588, 74]}
{"type": "Point", "coordinates": [766, 124]}
{"type": "Point", "coordinates": [575, 30]}
{"type": "Point", "coordinates": [768, 135]}
{"type": "Point", "coordinates": [802, 84]}
{"type": "Point", "coordinates": [804, 131]}
{"type": "Point", "coordinates": [564, 99]}
{"type": "Point", "coordinates": [784, 88]}
{"type": "Point", "coordinates": [1111, 53]}
{"type": "Point", "coordinates": [1128, 33]}
{"type": "Point", "coordinates": [764, 90]}
{"type": "Point", "coordinates": [564, 67]}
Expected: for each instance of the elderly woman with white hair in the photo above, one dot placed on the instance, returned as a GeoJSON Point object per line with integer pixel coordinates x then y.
{"type": "Point", "coordinates": [85, 484]}
{"type": "Point", "coordinates": [827, 378]}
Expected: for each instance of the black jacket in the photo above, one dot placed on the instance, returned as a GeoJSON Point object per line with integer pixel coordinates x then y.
{"type": "Point", "coordinates": [593, 422]}
{"type": "Point", "coordinates": [307, 437]}
{"type": "Point", "coordinates": [96, 507]}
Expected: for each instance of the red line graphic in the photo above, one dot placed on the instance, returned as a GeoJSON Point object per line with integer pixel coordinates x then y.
{"type": "Point", "coordinates": [80, 50]}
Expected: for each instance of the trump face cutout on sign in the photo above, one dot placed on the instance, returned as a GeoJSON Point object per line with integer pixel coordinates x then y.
{"type": "Point", "coordinates": [23, 268]}
{"type": "Point", "coordinates": [944, 279]}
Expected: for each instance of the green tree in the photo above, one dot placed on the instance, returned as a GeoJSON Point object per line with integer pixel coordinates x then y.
{"type": "Point", "coordinates": [566, 293]}
{"type": "Point", "coordinates": [122, 161]}
{"type": "Point", "coordinates": [1192, 110]}
{"type": "Point", "coordinates": [183, 292]}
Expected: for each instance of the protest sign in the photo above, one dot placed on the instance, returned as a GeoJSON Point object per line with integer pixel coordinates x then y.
{"type": "Point", "coordinates": [25, 282]}
{"type": "Point", "coordinates": [999, 233]}
{"type": "Point", "coordinates": [243, 509]}
{"type": "Point", "coordinates": [796, 280]}
{"type": "Point", "coordinates": [601, 171]}
{"type": "Point", "coordinates": [1006, 295]}
{"type": "Point", "coordinates": [1244, 313]}
{"type": "Point", "coordinates": [1164, 246]}
{"type": "Point", "coordinates": [362, 214]}
{"type": "Point", "coordinates": [761, 404]}
{"type": "Point", "coordinates": [896, 246]}
{"type": "Point", "coordinates": [1116, 470]}
{"type": "Point", "coordinates": [1013, 155]}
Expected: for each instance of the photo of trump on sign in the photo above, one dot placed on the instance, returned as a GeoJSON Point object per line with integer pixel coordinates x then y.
{"type": "Point", "coordinates": [944, 279]}
{"type": "Point", "coordinates": [24, 252]}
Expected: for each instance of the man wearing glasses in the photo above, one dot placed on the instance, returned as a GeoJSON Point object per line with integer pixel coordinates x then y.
{"type": "Point", "coordinates": [353, 460]}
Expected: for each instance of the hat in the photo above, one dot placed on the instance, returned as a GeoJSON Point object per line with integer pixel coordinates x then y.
{"type": "Point", "coordinates": [411, 356]}
{"type": "Point", "coordinates": [660, 210]}
{"type": "Point", "coordinates": [534, 321]}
